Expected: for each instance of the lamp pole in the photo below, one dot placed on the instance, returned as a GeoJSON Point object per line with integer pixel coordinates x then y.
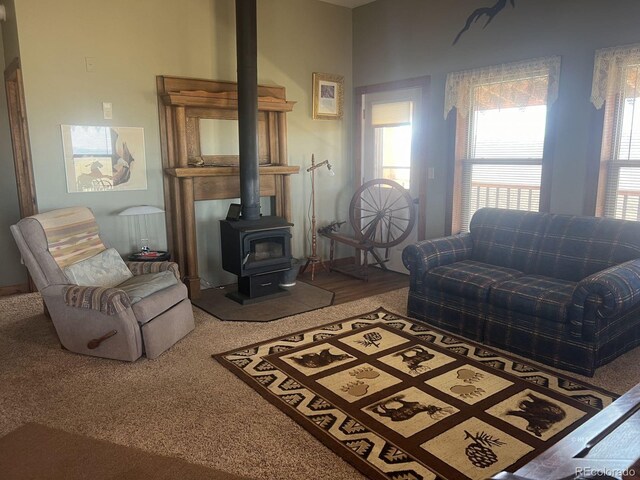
{"type": "Point", "coordinates": [314, 258]}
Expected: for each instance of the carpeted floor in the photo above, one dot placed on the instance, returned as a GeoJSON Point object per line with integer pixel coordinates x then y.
{"type": "Point", "coordinates": [184, 404]}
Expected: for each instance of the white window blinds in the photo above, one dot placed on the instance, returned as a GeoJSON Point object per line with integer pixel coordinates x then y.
{"type": "Point", "coordinates": [502, 115]}
{"type": "Point", "coordinates": [616, 84]}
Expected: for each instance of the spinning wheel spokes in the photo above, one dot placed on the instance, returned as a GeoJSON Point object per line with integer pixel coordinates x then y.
{"type": "Point", "coordinates": [382, 213]}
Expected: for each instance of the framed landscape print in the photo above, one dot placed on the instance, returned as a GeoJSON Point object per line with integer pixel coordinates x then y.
{"type": "Point", "coordinates": [99, 159]}
{"type": "Point", "coordinates": [328, 96]}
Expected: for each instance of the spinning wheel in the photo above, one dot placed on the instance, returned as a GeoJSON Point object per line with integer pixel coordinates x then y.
{"type": "Point", "coordinates": [382, 215]}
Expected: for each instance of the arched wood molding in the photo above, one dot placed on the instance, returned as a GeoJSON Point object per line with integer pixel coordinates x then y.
{"type": "Point", "coordinates": [182, 102]}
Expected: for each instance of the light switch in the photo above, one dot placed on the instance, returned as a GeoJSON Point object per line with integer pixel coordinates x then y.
{"type": "Point", "coordinates": [90, 64]}
{"type": "Point", "coordinates": [107, 110]}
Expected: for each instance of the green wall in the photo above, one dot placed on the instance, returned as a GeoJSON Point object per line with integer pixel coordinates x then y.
{"type": "Point", "coordinates": [396, 39]}
{"type": "Point", "coordinates": [131, 43]}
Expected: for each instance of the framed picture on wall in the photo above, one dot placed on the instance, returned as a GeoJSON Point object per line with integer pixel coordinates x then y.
{"type": "Point", "coordinates": [99, 158]}
{"type": "Point", "coordinates": [328, 96]}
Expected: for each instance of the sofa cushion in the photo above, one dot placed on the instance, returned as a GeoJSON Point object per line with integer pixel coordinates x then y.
{"type": "Point", "coordinates": [150, 307]}
{"type": "Point", "coordinates": [507, 238]}
{"type": "Point", "coordinates": [535, 295]}
{"type": "Point", "coordinates": [143, 286]}
{"type": "Point", "coordinates": [106, 269]}
{"type": "Point", "coordinates": [469, 279]}
{"type": "Point", "coordinates": [575, 247]}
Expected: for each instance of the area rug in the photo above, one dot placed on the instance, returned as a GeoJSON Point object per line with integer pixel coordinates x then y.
{"type": "Point", "coordinates": [38, 452]}
{"type": "Point", "coordinates": [301, 298]}
{"type": "Point", "coordinates": [402, 400]}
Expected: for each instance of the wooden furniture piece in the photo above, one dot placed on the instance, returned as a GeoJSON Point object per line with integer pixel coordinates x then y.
{"type": "Point", "coordinates": [613, 437]}
{"type": "Point", "coordinates": [382, 215]}
{"type": "Point", "coordinates": [191, 176]}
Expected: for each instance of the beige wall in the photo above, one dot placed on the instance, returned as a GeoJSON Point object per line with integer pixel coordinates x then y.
{"type": "Point", "coordinates": [12, 272]}
{"type": "Point", "coordinates": [131, 43]}
{"type": "Point", "coordinates": [408, 38]}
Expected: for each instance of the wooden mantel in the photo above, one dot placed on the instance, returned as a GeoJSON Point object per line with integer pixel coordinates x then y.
{"type": "Point", "coordinates": [182, 103]}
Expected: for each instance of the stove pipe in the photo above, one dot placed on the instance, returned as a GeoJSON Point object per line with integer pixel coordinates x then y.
{"type": "Point", "coordinates": [247, 54]}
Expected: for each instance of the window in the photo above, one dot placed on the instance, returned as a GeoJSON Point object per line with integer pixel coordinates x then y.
{"type": "Point", "coordinates": [500, 136]}
{"type": "Point", "coordinates": [392, 123]}
{"type": "Point", "coordinates": [617, 87]}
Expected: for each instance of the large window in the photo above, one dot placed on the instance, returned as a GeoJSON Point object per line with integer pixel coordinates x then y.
{"type": "Point", "coordinates": [500, 136]}
{"type": "Point", "coordinates": [617, 85]}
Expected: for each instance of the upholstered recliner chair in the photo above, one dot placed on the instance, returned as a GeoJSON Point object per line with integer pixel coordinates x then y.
{"type": "Point", "coordinates": [99, 304]}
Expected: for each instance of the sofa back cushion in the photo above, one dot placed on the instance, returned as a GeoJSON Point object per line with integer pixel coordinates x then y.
{"type": "Point", "coordinates": [575, 247]}
{"type": "Point", "coordinates": [507, 238]}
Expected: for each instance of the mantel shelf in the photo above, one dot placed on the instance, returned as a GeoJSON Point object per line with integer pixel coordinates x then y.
{"type": "Point", "coordinates": [191, 172]}
{"type": "Point", "coordinates": [180, 99]}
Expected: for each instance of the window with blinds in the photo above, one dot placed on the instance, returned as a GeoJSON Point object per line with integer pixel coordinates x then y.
{"type": "Point", "coordinates": [622, 175]}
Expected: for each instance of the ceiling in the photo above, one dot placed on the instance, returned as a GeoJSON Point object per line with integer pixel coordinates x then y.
{"type": "Point", "coordinates": [349, 3]}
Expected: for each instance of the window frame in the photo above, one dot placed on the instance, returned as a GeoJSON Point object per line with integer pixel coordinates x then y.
{"type": "Point", "coordinates": [609, 123]}
{"type": "Point", "coordinates": [459, 127]}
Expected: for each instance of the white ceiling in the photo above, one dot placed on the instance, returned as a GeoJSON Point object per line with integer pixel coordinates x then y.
{"type": "Point", "coordinates": [349, 3]}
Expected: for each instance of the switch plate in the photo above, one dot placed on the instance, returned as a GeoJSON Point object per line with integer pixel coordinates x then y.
{"type": "Point", "coordinates": [431, 173]}
{"type": "Point", "coordinates": [90, 64]}
{"type": "Point", "coordinates": [107, 110]}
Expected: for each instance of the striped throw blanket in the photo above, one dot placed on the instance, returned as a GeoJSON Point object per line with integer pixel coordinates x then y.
{"type": "Point", "coordinates": [72, 234]}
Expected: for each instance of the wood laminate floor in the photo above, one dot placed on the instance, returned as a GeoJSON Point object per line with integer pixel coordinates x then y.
{"type": "Point", "coordinates": [348, 288]}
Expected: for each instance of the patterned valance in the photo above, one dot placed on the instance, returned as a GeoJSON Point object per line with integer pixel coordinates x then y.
{"type": "Point", "coordinates": [608, 69]}
{"type": "Point", "coordinates": [532, 82]}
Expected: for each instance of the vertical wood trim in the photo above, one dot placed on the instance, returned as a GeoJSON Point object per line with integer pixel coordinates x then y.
{"type": "Point", "coordinates": [283, 159]}
{"type": "Point", "coordinates": [423, 158]}
{"type": "Point", "coordinates": [19, 131]}
{"type": "Point", "coordinates": [189, 214]}
{"type": "Point", "coordinates": [166, 152]}
{"type": "Point", "coordinates": [452, 223]}
{"type": "Point", "coordinates": [357, 144]}
{"type": "Point", "coordinates": [594, 165]}
{"type": "Point", "coordinates": [548, 154]}
{"type": "Point", "coordinates": [182, 156]}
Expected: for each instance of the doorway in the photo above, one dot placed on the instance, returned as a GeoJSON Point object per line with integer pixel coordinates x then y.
{"type": "Point", "coordinates": [392, 138]}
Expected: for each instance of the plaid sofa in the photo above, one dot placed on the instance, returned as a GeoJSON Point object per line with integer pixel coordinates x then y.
{"type": "Point", "coordinates": [560, 289]}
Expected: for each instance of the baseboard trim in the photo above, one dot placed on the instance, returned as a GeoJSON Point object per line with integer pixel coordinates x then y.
{"type": "Point", "coordinates": [14, 289]}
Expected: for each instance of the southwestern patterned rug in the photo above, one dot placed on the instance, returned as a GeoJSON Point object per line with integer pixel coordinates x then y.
{"type": "Point", "coordinates": [402, 400]}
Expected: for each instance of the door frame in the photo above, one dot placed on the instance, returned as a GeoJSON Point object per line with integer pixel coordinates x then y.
{"type": "Point", "coordinates": [19, 130]}
{"type": "Point", "coordinates": [419, 142]}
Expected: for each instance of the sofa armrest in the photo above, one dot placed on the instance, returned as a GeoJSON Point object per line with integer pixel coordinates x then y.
{"type": "Point", "coordinates": [421, 257]}
{"type": "Point", "coordinates": [604, 295]}
{"type": "Point", "coordinates": [110, 301]}
{"type": "Point", "coordinates": [429, 254]}
{"type": "Point", "coordinates": [141, 268]}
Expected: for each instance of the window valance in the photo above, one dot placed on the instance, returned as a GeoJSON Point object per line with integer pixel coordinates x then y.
{"type": "Point", "coordinates": [608, 71]}
{"type": "Point", "coordinates": [530, 82]}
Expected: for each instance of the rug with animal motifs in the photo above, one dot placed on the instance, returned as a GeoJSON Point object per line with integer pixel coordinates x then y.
{"type": "Point", "coordinates": [401, 400]}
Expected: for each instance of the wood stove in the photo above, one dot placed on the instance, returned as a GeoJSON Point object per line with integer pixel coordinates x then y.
{"type": "Point", "coordinates": [255, 248]}
{"type": "Point", "coordinates": [258, 252]}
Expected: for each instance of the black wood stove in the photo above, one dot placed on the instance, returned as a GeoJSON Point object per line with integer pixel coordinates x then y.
{"type": "Point", "coordinates": [255, 248]}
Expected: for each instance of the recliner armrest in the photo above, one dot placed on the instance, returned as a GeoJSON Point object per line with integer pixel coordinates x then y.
{"type": "Point", "coordinates": [603, 295]}
{"type": "Point", "coordinates": [142, 268]}
{"type": "Point", "coordinates": [110, 301]}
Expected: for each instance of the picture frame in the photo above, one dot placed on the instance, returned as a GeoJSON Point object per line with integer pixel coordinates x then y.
{"type": "Point", "coordinates": [103, 158]}
{"type": "Point", "coordinates": [328, 96]}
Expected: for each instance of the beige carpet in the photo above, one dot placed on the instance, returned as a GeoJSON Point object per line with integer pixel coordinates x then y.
{"type": "Point", "coordinates": [184, 404]}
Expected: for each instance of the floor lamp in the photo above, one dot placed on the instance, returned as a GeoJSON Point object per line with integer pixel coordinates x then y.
{"type": "Point", "coordinates": [314, 258]}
